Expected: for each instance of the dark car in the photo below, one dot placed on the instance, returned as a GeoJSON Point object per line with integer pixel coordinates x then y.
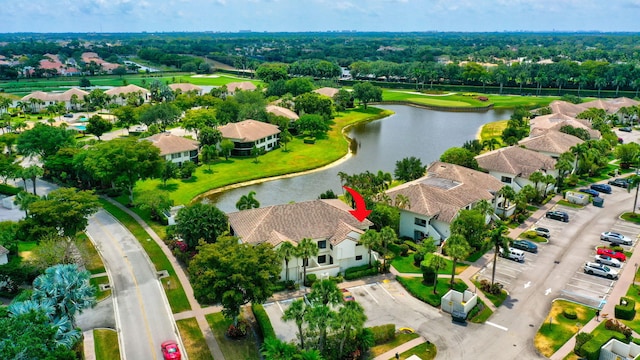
{"type": "Point", "coordinates": [603, 188]}
{"type": "Point", "coordinates": [557, 215]}
{"type": "Point", "coordinates": [68, 115]}
{"type": "Point", "coordinates": [626, 129]}
{"type": "Point", "coordinates": [590, 192]}
{"type": "Point", "coordinates": [621, 182]}
{"type": "Point", "coordinates": [525, 245]}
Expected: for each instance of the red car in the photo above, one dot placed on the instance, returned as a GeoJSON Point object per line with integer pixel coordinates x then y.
{"type": "Point", "coordinates": [614, 254]}
{"type": "Point", "coordinates": [170, 350]}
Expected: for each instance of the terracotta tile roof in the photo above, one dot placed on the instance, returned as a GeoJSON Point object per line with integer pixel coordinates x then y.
{"type": "Point", "coordinates": [185, 87]}
{"type": "Point", "coordinates": [550, 141]}
{"type": "Point", "coordinates": [243, 85]}
{"type": "Point", "coordinates": [131, 88]}
{"type": "Point", "coordinates": [171, 144]}
{"type": "Point", "coordinates": [65, 96]}
{"type": "Point", "coordinates": [248, 130]}
{"type": "Point", "coordinates": [515, 160]}
{"type": "Point", "coordinates": [282, 111]}
{"type": "Point", "coordinates": [327, 91]}
{"type": "Point", "coordinates": [446, 189]}
{"type": "Point", "coordinates": [611, 106]}
{"type": "Point", "coordinates": [315, 219]}
{"type": "Point", "coordinates": [557, 121]}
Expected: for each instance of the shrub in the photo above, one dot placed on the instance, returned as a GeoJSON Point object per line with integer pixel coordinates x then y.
{"type": "Point", "coordinates": [394, 248]}
{"type": "Point", "coordinates": [626, 310]}
{"type": "Point", "coordinates": [237, 331]}
{"type": "Point", "coordinates": [488, 287]}
{"type": "Point", "coordinates": [417, 258]}
{"type": "Point", "coordinates": [570, 314]}
{"type": "Point", "coordinates": [412, 245]}
{"type": "Point", "coordinates": [311, 278]}
{"type": "Point", "coordinates": [404, 250]}
{"type": "Point", "coordinates": [9, 190]}
{"type": "Point", "coordinates": [428, 274]}
{"type": "Point", "coordinates": [357, 272]}
{"type": "Point", "coordinates": [383, 333]}
{"type": "Point", "coordinates": [591, 349]}
{"type": "Point", "coordinates": [617, 326]}
{"type": "Point", "coordinates": [581, 339]}
{"type": "Point", "coordinates": [310, 140]}
{"type": "Point", "coordinates": [263, 321]}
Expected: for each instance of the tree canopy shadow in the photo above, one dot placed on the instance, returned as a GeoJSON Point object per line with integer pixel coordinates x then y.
{"type": "Point", "coordinates": [169, 187]}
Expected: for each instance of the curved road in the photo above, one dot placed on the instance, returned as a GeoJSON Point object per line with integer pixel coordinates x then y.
{"type": "Point", "coordinates": [143, 316]}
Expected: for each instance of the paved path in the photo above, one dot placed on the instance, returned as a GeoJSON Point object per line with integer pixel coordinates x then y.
{"type": "Point", "coordinates": [196, 310]}
{"type": "Point", "coordinates": [400, 349]}
{"type": "Point", "coordinates": [88, 345]}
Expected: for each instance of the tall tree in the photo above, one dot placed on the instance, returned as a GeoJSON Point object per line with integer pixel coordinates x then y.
{"type": "Point", "coordinates": [226, 147]}
{"type": "Point", "coordinates": [201, 221]}
{"type": "Point", "coordinates": [371, 240]}
{"type": "Point", "coordinates": [436, 262]}
{"type": "Point", "coordinates": [349, 320]}
{"type": "Point", "coordinates": [296, 312]}
{"type": "Point", "coordinates": [409, 168]}
{"type": "Point", "coordinates": [66, 210]}
{"type": "Point", "coordinates": [286, 251]}
{"type": "Point", "coordinates": [306, 249]}
{"type": "Point", "coordinates": [457, 248]}
{"type": "Point", "coordinates": [499, 241]}
{"type": "Point", "coordinates": [44, 140]}
{"type": "Point", "coordinates": [33, 172]}
{"type": "Point", "coordinates": [97, 126]}
{"type": "Point", "coordinates": [248, 201]}
{"type": "Point", "coordinates": [366, 93]}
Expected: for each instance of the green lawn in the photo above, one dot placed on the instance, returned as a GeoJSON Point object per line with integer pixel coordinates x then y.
{"type": "Point", "coordinates": [246, 348]}
{"type": "Point", "coordinates": [100, 295]}
{"type": "Point", "coordinates": [106, 344]}
{"type": "Point", "coordinates": [219, 80]}
{"type": "Point", "coordinates": [482, 315]}
{"type": "Point", "coordinates": [425, 351]}
{"type": "Point", "coordinates": [398, 340]}
{"type": "Point", "coordinates": [557, 329]}
{"type": "Point", "coordinates": [193, 340]}
{"type": "Point", "coordinates": [425, 293]}
{"type": "Point", "coordinates": [467, 99]}
{"type": "Point", "coordinates": [93, 261]}
{"type": "Point", "coordinates": [493, 130]}
{"type": "Point", "coordinates": [496, 300]}
{"type": "Point", "coordinates": [299, 157]}
{"type": "Point", "coordinates": [404, 264]}
{"type": "Point", "coordinates": [177, 298]}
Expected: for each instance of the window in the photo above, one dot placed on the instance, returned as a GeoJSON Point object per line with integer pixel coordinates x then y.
{"type": "Point", "coordinates": [175, 156]}
{"type": "Point", "coordinates": [322, 259]}
{"type": "Point", "coordinates": [186, 153]}
{"type": "Point", "coordinates": [506, 180]}
{"type": "Point", "coordinates": [420, 222]}
{"type": "Point", "coordinates": [322, 244]}
{"type": "Point", "coordinates": [358, 257]}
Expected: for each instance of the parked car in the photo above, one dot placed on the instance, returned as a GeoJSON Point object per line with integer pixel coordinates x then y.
{"type": "Point", "coordinates": [513, 254]}
{"type": "Point", "coordinates": [592, 268]}
{"type": "Point", "coordinates": [68, 115]}
{"type": "Point", "coordinates": [607, 260]}
{"type": "Point", "coordinates": [544, 232]}
{"type": "Point", "coordinates": [612, 253]}
{"type": "Point", "coordinates": [590, 192]}
{"type": "Point", "coordinates": [603, 188]}
{"type": "Point", "coordinates": [347, 296]}
{"type": "Point", "coordinates": [525, 245]}
{"type": "Point", "coordinates": [621, 182]}
{"type": "Point", "coordinates": [170, 350]}
{"type": "Point", "coordinates": [557, 215]}
{"type": "Point", "coordinates": [626, 129]}
{"type": "Point", "coordinates": [615, 238]}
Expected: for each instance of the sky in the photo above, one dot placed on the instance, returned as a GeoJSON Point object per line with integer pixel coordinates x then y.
{"type": "Point", "coordinates": [318, 15]}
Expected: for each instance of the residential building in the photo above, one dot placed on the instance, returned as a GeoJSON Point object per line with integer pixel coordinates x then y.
{"type": "Point", "coordinates": [242, 85]}
{"type": "Point", "coordinates": [119, 94]}
{"type": "Point", "coordinates": [54, 97]}
{"type": "Point", "coordinates": [175, 148]}
{"type": "Point", "coordinates": [557, 121]}
{"type": "Point", "coordinates": [327, 222]}
{"type": "Point", "coordinates": [327, 91]}
{"type": "Point", "coordinates": [513, 165]}
{"type": "Point", "coordinates": [282, 111]}
{"type": "Point", "coordinates": [550, 142]}
{"type": "Point", "coordinates": [185, 88]}
{"type": "Point", "coordinates": [435, 199]}
{"type": "Point", "coordinates": [249, 133]}
{"type": "Point", "coordinates": [611, 106]}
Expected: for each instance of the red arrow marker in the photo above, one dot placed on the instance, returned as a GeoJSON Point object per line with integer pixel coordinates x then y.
{"type": "Point", "coordinates": [361, 211]}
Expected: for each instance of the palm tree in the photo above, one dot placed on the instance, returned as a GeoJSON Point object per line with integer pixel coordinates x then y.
{"type": "Point", "coordinates": [536, 177]}
{"type": "Point", "coordinates": [350, 318]}
{"type": "Point", "coordinates": [498, 240]}
{"type": "Point", "coordinates": [24, 199]}
{"type": "Point", "coordinates": [484, 207]}
{"type": "Point", "coordinates": [32, 172]}
{"type": "Point", "coordinates": [436, 262]}
{"type": "Point", "coordinates": [286, 250]}
{"type": "Point", "coordinates": [508, 194]}
{"type": "Point", "coordinates": [209, 153]}
{"type": "Point", "coordinates": [548, 180]}
{"type": "Point", "coordinates": [402, 202]}
{"type": "Point", "coordinates": [248, 202]}
{"type": "Point", "coordinates": [275, 349]}
{"type": "Point", "coordinates": [370, 239]}
{"type": "Point", "coordinates": [325, 292]}
{"type": "Point", "coordinates": [306, 249]}
{"type": "Point", "coordinates": [387, 236]}
{"type": "Point", "coordinates": [457, 248]}
{"type": "Point", "coordinates": [5, 103]}
{"type": "Point", "coordinates": [297, 312]}
{"type": "Point", "coordinates": [564, 167]}
{"type": "Point", "coordinates": [491, 144]}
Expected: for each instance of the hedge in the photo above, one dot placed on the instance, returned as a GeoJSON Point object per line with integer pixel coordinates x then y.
{"type": "Point", "coordinates": [591, 349]}
{"type": "Point", "coordinates": [9, 190]}
{"type": "Point", "coordinates": [626, 312]}
{"type": "Point", "coordinates": [357, 272]}
{"type": "Point", "coordinates": [383, 333]}
{"type": "Point", "coordinates": [412, 245]}
{"type": "Point", "coordinates": [263, 321]}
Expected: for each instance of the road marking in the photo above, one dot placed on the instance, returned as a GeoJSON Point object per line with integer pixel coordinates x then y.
{"type": "Point", "coordinates": [373, 297]}
{"type": "Point", "coordinates": [279, 307]}
{"type": "Point", "coordinates": [548, 291]}
{"type": "Point", "coordinates": [526, 285]}
{"type": "Point", "coordinates": [385, 290]}
{"type": "Point", "coordinates": [496, 325]}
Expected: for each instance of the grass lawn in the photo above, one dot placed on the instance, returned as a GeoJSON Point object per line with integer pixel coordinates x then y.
{"type": "Point", "coordinates": [551, 336]}
{"type": "Point", "coordinates": [493, 130]}
{"type": "Point", "coordinates": [100, 295]}
{"type": "Point", "coordinates": [219, 80]}
{"type": "Point", "coordinates": [25, 248]}
{"type": "Point", "coordinates": [177, 298]}
{"type": "Point", "coordinates": [467, 99]}
{"type": "Point", "coordinates": [246, 348]}
{"type": "Point", "coordinates": [193, 340]}
{"type": "Point", "coordinates": [93, 261]}
{"type": "Point", "coordinates": [404, 264]}
{"type": "Point", "coordinates": [568, 204]}
{"type": "Point", "coordinates": [425, 351]}
{"type": "Point", "coordinates": [633, 217]}
{"type": "Point", "coordinates": [483, 315]}
{"type": "Point", "coordinates": [397, 341]}
{"type": "Point", "coordinates": [106, 344]}
{"type": "Point", "coordinates": [496, 300]}
{"type": "Point", "coordinates": [425, 293]}
{"type": "Point", "coordinates": [298, 157]}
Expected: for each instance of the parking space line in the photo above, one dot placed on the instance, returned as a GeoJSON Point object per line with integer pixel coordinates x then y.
{"type": "Point", "coordinates": [601, 282]}
{"type": "Point", "coordinates": [279, 307]}
{"type": "Point", "coordinates": [385, 290]}
{"type": "Point", "coordinates": [373, 297]}
{"type": "Point", "coordinates": [496, 325]}
{"type": "Point", "coordinates": [590, 289]}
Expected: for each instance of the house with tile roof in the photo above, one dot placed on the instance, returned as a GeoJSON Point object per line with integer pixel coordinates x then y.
{"type": "Point", "coordinates": [513, 165]}
{"type": "Point", "coordinates": [176, 149]}
{"type": "Point", "coordinates": [327, 222]}
{"type": "Point", "coordinates": [119, 93]}
{"type": "Point", "coordinates": [327, 91]}
{"type": "Point", "coordinates": [550, 142]}
{"type": "Point", "coordinates": [232, 87]}
{"type": "Point", "coordinates": [185, 87]}
{"type": "Point", "coordinates": [50, 98]}
{"type": "Point", "coordinates": [249, 133]}
{"type": "Point", "coordinates": [557, 121]}
{"type": "Point", "coordinates": [436, 199]}
{"type": "Point", "coordinates": [611, 106]}
{"type": "Point", "coordinates": [282, 111]}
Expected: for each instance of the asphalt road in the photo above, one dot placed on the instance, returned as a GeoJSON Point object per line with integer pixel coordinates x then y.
{"type": "Point", "coordinates": [143, 315]}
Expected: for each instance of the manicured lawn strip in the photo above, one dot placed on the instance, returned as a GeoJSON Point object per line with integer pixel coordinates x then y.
{"type": "Point", "coordinates": [425, 351]}
{"type": "Point", "coordinates": [483, 315]}
{"type": "Point", "coordinates": [404, 264]}
{"type": "Point", "coordinates": [498, 101]}
{"type": "Point", "coordinates": [221, 79]}
{"type": "Point", "coordinates": [493, 130]}
{"type": "Point", "coordinates": [246, 348]}
{"type": "Point", "coordinates": [100, 295]}
{"type": "Point", "coordinates": [93, 261]}
{"type": "Point", "coordinates": [106, 344]}
{"type": "Point", "coordinates": [551, 336]}
{"type": "Point", "coordinates": [425, 293]}
{"type": "Point", "coordinates": [397, 341]}
{"type": "Point", "coordinates": [632, 217]}
{"type": "Point", "coordinates": [177, 298]}
{"type": "Point", "coordinates": [634, 293]}
{"type": "Point", "coordinates": [496, 300]}
{"type": "Point", "coordinates": [299, 157]}
{"type": "Point", "coordinates": [193, 340]}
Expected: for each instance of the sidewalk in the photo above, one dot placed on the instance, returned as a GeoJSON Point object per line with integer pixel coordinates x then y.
{"type": "Point", "coordinates": [400, 349]}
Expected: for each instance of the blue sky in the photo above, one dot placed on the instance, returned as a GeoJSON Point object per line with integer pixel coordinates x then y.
{"type": "Point", "coordinates": [318, 15]}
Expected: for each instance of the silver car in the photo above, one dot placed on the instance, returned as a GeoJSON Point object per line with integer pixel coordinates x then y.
{"type": "Point", "coordinates": [615, 238]}
{"type": "Point", "coordinates": [607, 260]}
{"type": "Point", "coordinates": [601, 270]}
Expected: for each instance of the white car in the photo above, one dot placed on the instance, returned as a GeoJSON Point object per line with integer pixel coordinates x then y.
{"type": "Point", "coordinates": [607, 260]}
{"type": "Point", "coordinates": [615, 238]}
{"type": "Point", "coordinates": [601, 270]}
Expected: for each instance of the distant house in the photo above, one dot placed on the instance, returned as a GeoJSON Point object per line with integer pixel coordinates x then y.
{"type": "Point", "coordinates": [243, 85]}
{"type": "Point", "coordinates": [247, 133]}
{"type": "Point", "coordinates": [327, 91]}
{"type": "Point", "coordinates": [513, 165]}
{"type": "Point", "coordinates": [282, 111]}
{"type": "Point", "coordinates": [436, 199]}
{"type": "Point", "coordinates": [611, 106]}
{"type": "Point", "coordinates": [54, 97]}
{"type": "Point", "coordinates": [175, 148]}
{"type": "Point", "coordinates": [557, 121]}
{"type": "Point", "coordinates": [186, 87]}
{"type": "Point", "coordinates": [4, 255]}
{"type": "Point", "coordinates": [550, 142]}
{"type": "Point", "coordinates": [119, 93]}
{"type": "Point", "coordinates": [327, 222]}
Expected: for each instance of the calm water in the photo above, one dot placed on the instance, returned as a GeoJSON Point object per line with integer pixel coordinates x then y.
{"type": "Point", "coordinates": [425, 134]}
